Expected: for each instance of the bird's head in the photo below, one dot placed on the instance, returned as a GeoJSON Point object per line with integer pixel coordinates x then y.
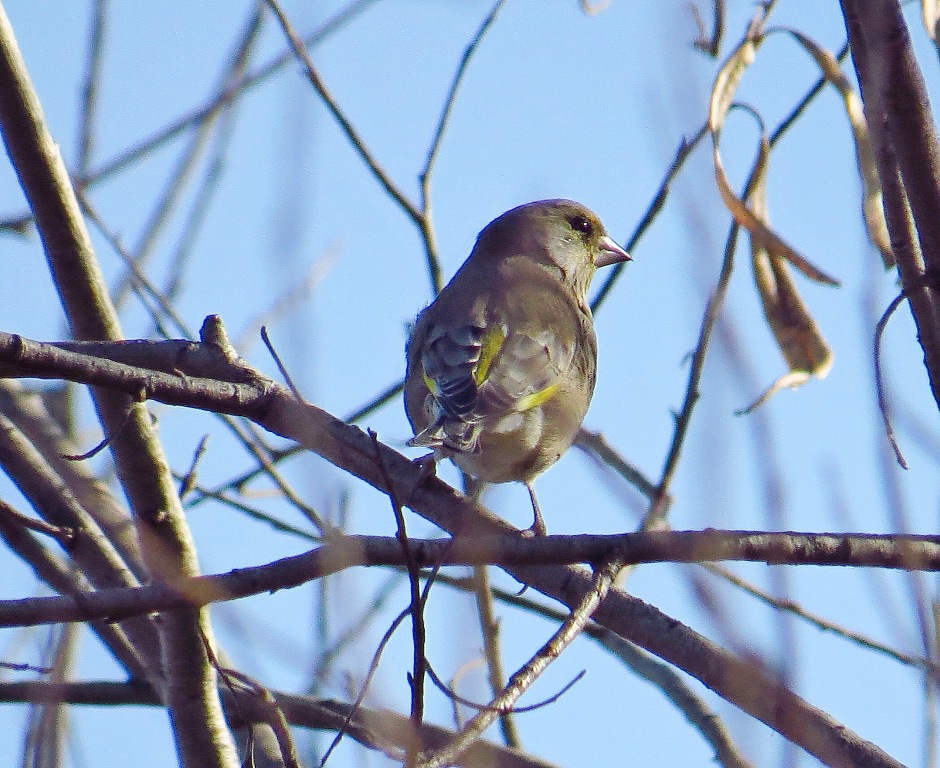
{"type": "Point", "coordinates": [561, 234]}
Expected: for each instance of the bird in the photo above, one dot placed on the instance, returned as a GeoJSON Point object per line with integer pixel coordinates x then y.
{"type": "Point", "coordinates": [501, 366]}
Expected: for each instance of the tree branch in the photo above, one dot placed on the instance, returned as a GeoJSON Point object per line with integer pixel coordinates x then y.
{"type": "Point", "coordinates": [167, 545]}
{"type": "Point", "coordinates": [743, 683]}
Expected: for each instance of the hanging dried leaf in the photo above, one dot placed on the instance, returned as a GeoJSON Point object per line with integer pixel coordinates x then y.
{"type": "Point", "coordinates": [729, 76]}
{"type": "Point", "coordinates": [872, 205]}
{"type": "Point", "coordinates": [764, 235]}
{"type": "Point", "coordinates": [798, 337]}
{"type": "Point", "coordinates": [723, 91]}
{"type": "Point", "coordinates": [794, 329]}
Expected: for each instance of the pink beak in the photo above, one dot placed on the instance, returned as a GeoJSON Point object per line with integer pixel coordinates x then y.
{"type": "Point", "coordinates": [610, 253]}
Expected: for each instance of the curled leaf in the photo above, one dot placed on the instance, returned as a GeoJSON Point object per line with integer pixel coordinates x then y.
{"type": "Point", "coordinates": [794, 329]}
{"type": "Point", "coordinates": [796, 332]}
{"type": "Point", "coordinates": [726, 83]}
{"type": "Point", "coordinates": [872, 206]}
{"type": "Point", "coordinates": [791, 380]}
{"type": "Point", "coordinates": [764, 235]}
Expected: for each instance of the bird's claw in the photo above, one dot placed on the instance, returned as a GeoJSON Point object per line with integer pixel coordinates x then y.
{"type": "Point", "coordinates": [427, 468]}
{"type": "Point", "coordinates": [536, 529]}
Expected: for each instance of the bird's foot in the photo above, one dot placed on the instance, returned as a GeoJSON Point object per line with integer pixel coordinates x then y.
{"type": "Point", "coordinates": [536, 529]}
{"type": "Point", "coordinates": [427, 467]}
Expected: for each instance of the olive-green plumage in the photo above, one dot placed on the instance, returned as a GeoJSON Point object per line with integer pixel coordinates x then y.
{"type": "Point", "coordinates": [501, 367]}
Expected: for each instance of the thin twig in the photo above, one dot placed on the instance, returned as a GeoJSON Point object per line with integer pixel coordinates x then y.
{"type": "Point", "coordinates": [93, 74]}
{"type": "Point", "coordinates": [268, 344]}
{"type": "Point", "coordinates": [298, 291]}
{"type": "Point", "coordinates": [203, 196]}
{"type": "Point", "coordinates": [489, 629]}
{"type": "Point", "coordinates": [204, 494]}
{"type": "Point", "coordinates": [364, 688]}
{"type": "Point", "coordinates": [355, 630]}
{"type": "Point", "coordinates": [419, 635]}
{"type": "Point", "coordinates": [427, 229]}
{"type": "Point", "coordinates": [710, 43]}
{"type": "Point", "coordinates": [239, 482]}
{"type": "Point", "coordinates": [450, 693]}
{"type": "Point", "coordinates": [529, 672]}
{"type": "Point", "coordinates": [673, 685]}
{"type": "Point", "coordinates": [879, 378]}
{"type": "Point", "coordinates": [383, 398]}
{"type": "Point", "coordinates": [656, 204]}
{"type": "Point", "coordinates": [595, 445]}
{"type": "Point", "coordinates": [351, 133]}
{"type": "Point", "coordinates": [188, 481]}
{"type": "Point", "coordinates": [139, 282]}
{"type": "Point", "coordinates": [822, 624]}
{"type": "Point", "coordinates": [102, 444]}
{"type": "Point", "coordinates": [249, 435]}
{"type": "Point", "coordinates": [64, 535]}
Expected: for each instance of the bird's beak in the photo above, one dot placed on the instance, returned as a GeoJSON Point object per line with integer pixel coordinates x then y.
{"type": "Point", "coordinates": [609, 252]}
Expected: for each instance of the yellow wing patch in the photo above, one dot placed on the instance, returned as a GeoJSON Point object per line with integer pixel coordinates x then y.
{"type": "Point", "coordinates": [537, 398]}
{"type": "Point", "coordinates": [489, 349]}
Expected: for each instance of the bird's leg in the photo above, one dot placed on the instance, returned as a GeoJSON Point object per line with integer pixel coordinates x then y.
{"type": "Point", "coordinates": [538, 526]}
{"type": "Point", "coordinates": [473, 488]}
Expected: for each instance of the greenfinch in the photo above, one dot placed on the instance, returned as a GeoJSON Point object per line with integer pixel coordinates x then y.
{"type": "Point", "coordinates": [502, 365]}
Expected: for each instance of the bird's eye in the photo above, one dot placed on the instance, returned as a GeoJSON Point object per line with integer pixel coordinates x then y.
{"type": "Point", "coordinates": [582, 224]}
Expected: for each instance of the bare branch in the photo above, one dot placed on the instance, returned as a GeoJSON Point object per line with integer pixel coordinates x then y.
{"type": "Point", "coordinates": [141, 465]}
{"type": "Point", "coordinates": [351, 133]}
{"type": "Point", "coordinates": [520, 682]}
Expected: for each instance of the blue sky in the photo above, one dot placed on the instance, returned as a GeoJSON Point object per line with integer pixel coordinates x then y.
{"type": "Point", "coordinates": [555, 104]}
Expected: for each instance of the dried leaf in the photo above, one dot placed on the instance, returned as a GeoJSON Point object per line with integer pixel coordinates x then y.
{"type": "Point", "coordinates": [791, 380]}
{"type": "Point", "coordinates": [872, 205]}
{"type": "Point", "coordinates": [723, 91]}
{"type": "Point", "coordinates": [797, 335]}
{"type": "Point", "coordinates": [726, 83]}
{"type": "Point", "coordinates": [764, 235]}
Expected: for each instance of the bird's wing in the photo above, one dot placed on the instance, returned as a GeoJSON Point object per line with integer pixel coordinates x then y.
{"type": "Point", "coordinates": [481, 371]}
{"type": "Point", "coordinates": [526, 373]}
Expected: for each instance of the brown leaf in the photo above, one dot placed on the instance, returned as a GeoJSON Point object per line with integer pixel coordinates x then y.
{"type": "Point", "coordinates": [723, 91]}
{"type": "Point", "coordinates": [797, 335]}
{"type": "Point", "coordinates": [872, 206]}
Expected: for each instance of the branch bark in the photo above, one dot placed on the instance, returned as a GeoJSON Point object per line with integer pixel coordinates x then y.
{"type": "Point", "coordinates": [188, 680]}
{"type": "Point", "coordinates": [378, 729]}
{"type": "Point", "coordinates": [743, 683]}
{"type": "Point", "coordinates": [907, 153]}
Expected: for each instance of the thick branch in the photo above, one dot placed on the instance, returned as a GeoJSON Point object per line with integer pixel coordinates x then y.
{"type": "Point", "coordinates": [744, 684]}
{"type": "Point", "coordinates": [383, 730]}
{"type": "Point", "coordinates": [908, 156]}
{"type": "Point", "coordinates": [168, 548]}
{"type": "Point", "coordinates": [507, 550]}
